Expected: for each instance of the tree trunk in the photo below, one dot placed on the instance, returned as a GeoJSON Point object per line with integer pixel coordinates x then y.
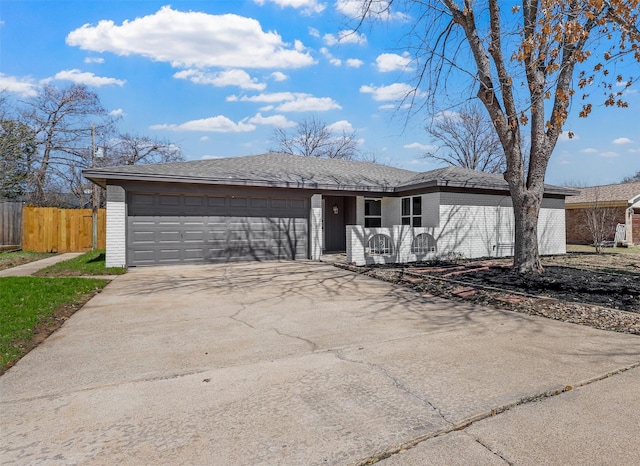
{"type": "Point", "coordinates": [526, 209]}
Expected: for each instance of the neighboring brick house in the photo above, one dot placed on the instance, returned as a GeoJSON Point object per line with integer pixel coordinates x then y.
{"type": "Point", "coordinates": [277, 206]}
{"type": "Point", "coordinates": [623, 199]}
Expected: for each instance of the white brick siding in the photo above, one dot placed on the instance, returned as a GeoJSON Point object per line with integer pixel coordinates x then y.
{"type": "Point", "coordinates": [552, 237]}
{"type": "Point", "coordinates": [316, 233]}
{"type": "Point", "coordinates": [483, 229]}
{"type": "Point", "coordinates": [116, 255]}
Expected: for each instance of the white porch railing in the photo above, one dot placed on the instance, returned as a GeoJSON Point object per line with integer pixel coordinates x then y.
{"type": "Point", "coordinates": [397, 244]}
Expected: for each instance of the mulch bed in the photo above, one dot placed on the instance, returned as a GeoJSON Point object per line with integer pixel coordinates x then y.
{"type": "Point", "coordinates": [609, 301]}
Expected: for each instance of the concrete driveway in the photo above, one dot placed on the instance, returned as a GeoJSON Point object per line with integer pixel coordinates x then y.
{"type": "Point", "coordinates": [303, 363]}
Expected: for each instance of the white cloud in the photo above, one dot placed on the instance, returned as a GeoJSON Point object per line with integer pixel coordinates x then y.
{"type": "Point", "coordinates": [279, 121]}
{"type": "Point", "coordinates": [94, 60]}
{"type": "Point", "coordinates": [354, 63]}
{"type": "Point", "coordinates": [622, 141]}
{"type": "Point", "coordinates": [193, 39]}
{"type": "Point", "coordinates": [345, 37]}
{"type": "Point", "coordinates": [290, 102]}
{"type": "Point", "coordinates": [634, 151]}
{"type": "Point", "coordinates": [24, 87]}
{"type": "Point", "coordinates": [238, 78]}
{"type": "Point", "coordinates": [379, 8]}
{"type": "Point", "coordinates": [117, 112]}
{"type": "Point", "coordinates": [209, 157]}
{"type": "Point", "coordinates": [608, 154]}
{"type": "Point", "coordinates": [264, 98]}
{"type": "Point", "coordinates": [313, 32]}
{"type": "Point", "coordinates": [391, 62]}
{"type": "Point", "coordinates": [216, 124]}
{"type": "Point", "coordinates": [420, 147]}
{"type": "Point", "coordinates": [334, 61]}
{"type": "Point", "coordinates": [84, 77]}
{"type": "Point", "coordinates": [589, 150]}
{"type": "Point", "coordinates": [309, 103]}
{"type": "Point", "coordinates": [393, 92]}
{"type": "Point", "coordinates": [279, 76]}
{"type": "Point", "coordinates": [308, 6]}
{"type": "Point", "coordinates": [204, 138]}
{"type": "Point", "coordinates": [340, 127]}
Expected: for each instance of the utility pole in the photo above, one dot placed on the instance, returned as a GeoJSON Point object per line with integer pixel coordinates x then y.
{"type": "Point", "coordinates": [94, 193]}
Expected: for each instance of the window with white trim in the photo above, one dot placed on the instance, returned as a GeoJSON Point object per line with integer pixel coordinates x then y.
{"type": "Point", "coordinates": [412, 211]}
{"type": "Point", "coordinates": [372, 213]}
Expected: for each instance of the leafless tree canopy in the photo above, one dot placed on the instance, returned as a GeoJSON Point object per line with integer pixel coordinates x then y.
{"type": "Point", "coordinates": [632, 179]}
{"type": "Point", "coordinates": [46, 142]}
{"type": "Point", "coordinates": [128, 149]}
{"type": "Point", "coordinates": [525, 61]}
{"type": "Point", "coordinates": [467, 139]}
{"type": "Point", "coordinates": [313, 138]}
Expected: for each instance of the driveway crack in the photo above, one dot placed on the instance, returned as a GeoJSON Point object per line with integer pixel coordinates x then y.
{"type": "Point", "coordinates": [313, 345]}
{"type": "Point", "coordinates": [495, 453]}
{"type": "Point", "coordinates": [237, 319]}
{"type": "Point", "coordinates": [464, 424]}
{"type": "Point", "coordinates": [397, 383]}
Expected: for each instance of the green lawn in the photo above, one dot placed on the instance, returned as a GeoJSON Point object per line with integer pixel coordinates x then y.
{"type": "Point", "coordinates": [31, 302]}
{"type": "Point", "coordinates": [90, 263]}
{"type": "Point", "coordinates": [587, 248]}
{"type": "Point", "coordinates": [15, 258]}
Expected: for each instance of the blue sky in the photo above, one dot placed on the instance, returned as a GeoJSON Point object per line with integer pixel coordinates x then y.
{"type": "Point", "coordinates": [218, 76]}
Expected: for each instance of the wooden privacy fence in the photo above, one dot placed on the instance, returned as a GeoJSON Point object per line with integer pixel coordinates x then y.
{"type": "Point", "coordinates": [10, 224]}
{"type": "Point", "coordinates": [49, 229]}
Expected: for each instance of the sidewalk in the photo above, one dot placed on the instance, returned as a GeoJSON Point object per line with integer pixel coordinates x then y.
{"type": "Point", "coordinates": [32, 267]}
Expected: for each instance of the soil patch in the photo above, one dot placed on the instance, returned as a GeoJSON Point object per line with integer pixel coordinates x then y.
{"type": "Point", "coordinates": [612, 290]}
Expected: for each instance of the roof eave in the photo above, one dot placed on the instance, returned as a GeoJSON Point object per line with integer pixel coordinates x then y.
{"type": "Point", "coordinates": [101, 179]}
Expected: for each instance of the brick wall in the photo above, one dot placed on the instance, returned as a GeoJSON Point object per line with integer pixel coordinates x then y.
{"type": "Point", "coordinates": [636, 227]}
{"type": "Point", "coordinates": [576, 226]}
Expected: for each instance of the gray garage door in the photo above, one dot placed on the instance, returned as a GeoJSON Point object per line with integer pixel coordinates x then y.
{"type": "Point", "coordinates": [184, 228]}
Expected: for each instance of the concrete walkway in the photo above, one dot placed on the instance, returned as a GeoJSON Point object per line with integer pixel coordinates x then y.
{"type": "Point", "coordinates": [32, 267]}
{"type": "Point", "coordinates": [302, 364]}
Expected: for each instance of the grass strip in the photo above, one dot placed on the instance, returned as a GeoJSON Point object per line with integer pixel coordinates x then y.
{"type": "Point", "coordinates": [89, 263]}
{"type": "Point", "coordinates": [30, 305]}
{"type": "Point", "coordinates": [15, 258]}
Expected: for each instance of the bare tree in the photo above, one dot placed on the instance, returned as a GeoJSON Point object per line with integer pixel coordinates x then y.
{"type": "Point", "coordinates": [467, 139]}
{"type": "Point", "coordinates": [62, 120]}
{"type": "Point", "coordinates": [128, 149]}
{"type": "Point", "coordinates": [313, 138]}
{"type": "Point", "coordinates": [525, 63]}
{"type": "Point", "coordinates": [632, 179]}
{"type": "Point", "coordinates": [601, 219]}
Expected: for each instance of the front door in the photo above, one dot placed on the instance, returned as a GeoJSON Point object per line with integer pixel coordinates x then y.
{"type": "Point", "coordinates": [339, 211]}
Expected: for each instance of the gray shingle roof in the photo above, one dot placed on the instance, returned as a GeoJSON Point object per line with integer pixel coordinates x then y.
{"type": "Point", "coordinates": [457, 177]}
{"type": "Point", "coordinates": [266, 170]}
{"type": "Point", "coordinates": [612, 193]}
{"type": "Point", "coordinates": [293, 171]}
